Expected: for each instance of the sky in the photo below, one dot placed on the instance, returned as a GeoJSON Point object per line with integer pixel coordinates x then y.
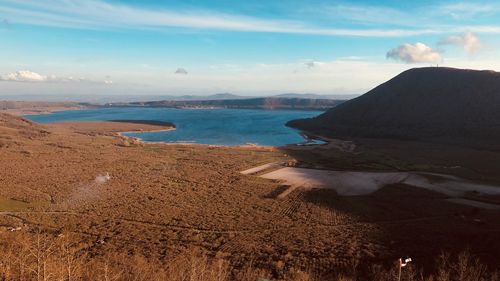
{"type": "Point", "coordinates": [143, 47]}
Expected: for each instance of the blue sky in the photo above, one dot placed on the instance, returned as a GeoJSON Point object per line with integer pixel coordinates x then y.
{"type": "Point", "coordinates": [104, 47]}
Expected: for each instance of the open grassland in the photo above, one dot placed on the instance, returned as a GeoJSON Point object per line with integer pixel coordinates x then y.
{"type": "Point", "coordinates": [161, 201]}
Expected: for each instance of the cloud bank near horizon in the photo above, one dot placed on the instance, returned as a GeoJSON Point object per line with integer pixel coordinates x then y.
{"type": "Point", "coordinates": [30, 76]}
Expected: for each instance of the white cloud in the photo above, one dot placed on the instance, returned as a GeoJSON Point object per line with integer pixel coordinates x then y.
{"type": "Point", "coordinates": [181, 70]}
{"type": "Point", "coordinates": [468, 40]}
{"type": "Point", "coordinates": [24, 76]}
{"type": "Point", "coordinates": [30, 76]}
{"type": "Point", "coordinates": [415, 53]}
{"type": "Point", "coordinates": [341, 76]}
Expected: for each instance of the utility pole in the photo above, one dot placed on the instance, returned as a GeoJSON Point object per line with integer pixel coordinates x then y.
{"type": "Point", "coordinates": [399, 269]}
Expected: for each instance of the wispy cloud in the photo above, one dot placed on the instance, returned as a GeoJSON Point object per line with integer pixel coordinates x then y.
{"type": "Point", "coordinates": [98, 14]}
{"type": "Point", "coordinates": [370, 14]}
{"type": "Point", "coordinates": [415, 53]}
{"type": "Point", "coordinates": [430, 18]}
{"type": "Point", "coordinates": [468, 40]}
{"type": "Point", "coordinates": [462, 10]}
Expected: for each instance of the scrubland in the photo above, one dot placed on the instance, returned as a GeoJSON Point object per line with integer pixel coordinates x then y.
{"type": "Point", "coordinates": [44, 256]}
{"type": "Point", "coordinates": [185, 212]}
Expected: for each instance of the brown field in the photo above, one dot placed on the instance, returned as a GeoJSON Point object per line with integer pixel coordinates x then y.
{"type": "Point", "coordinates": [26, 107]}
{"type": "Point", "coordinates": [163, 200]}
{"type": "Point", "coordinates": [106, 128]}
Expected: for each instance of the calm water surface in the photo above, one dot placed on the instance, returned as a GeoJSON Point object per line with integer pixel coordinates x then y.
{"type": "Point", "coordinates": [206, 126]}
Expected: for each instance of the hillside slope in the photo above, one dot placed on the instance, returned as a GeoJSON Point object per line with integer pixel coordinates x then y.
{"type": "Point", "coordinates": [15, 130]}
{"type": "Point", "coordinates": [419, 103]}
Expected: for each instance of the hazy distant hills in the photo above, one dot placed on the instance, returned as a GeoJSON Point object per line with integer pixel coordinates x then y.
{"type": "Point", "coordinates": [229, 96]}
{"type": "Point", "coordinates": [315, 96]}
{"type": "Point", "coordinates": [221, 100]}
{"type": "Point", "coordinates": [102, 99]}
{"type": "Point", "coordinates": [243, 103]}
{"type": "Point", "coordinates": [419, 103]}
{"type": "Point", "coordinates": [221, 96]}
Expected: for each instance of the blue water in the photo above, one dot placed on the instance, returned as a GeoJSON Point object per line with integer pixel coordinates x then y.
{"type": "Point", "coordinates": [206, 126]}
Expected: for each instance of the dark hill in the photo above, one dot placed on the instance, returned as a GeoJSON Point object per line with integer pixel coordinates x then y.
{"type": "Point", "coordinates": [419, 103]}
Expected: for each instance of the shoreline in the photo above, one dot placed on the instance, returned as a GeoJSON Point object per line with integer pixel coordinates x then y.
{"type": "Point", "coordinates": [246, 146]}
{"type": "Point", "coordinates": [25, 112]}
{"type": "Point", "coordinates": [308, 141]}
{"type": "Point", "coordinates": [108, 128]}
{"type": "Point", "coordinates": [143, 122]}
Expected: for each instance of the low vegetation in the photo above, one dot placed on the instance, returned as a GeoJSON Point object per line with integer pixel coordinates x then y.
{"type": "Point", "coordinates": [45, 256]}
{"type": "Point", "coordinates": [175, 212]}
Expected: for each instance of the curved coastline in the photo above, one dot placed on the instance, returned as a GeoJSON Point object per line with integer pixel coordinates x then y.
{"type": "Point", "coordinates": [221, 128]}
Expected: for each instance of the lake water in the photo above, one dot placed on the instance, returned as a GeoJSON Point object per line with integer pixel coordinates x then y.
{"type": "Point", "coordinates": [205, 126]}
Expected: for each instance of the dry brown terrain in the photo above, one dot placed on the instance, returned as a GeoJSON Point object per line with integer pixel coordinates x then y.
{"type": "Point", "coordinates": [25, 107]}
{"type": "Point", "coordinates": [109, 128]}
{"type": "Point", "coordinates": [160, 200]}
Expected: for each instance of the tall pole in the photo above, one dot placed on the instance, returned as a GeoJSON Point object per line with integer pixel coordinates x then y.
{"type": "Point", "coordinates": [399, 269]}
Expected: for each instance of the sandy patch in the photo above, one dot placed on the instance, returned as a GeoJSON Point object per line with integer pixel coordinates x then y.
{"type": "Point", "coordinates": [344, 183]}
{"type": "Point", "coordinates": [348, 183]}
{"type": "Point", "coordinates": [109, 127]}
{"type": "Point", "coordinates": [260, 168]}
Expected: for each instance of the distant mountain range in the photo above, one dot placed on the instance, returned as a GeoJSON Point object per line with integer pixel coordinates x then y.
{"type": "Point", "coordinates": [315, 96]}
{"type": "Point", "coordinates": [221, 96]}
{"type": "Point", "coordinates": [229, 96]}
{"type": "Point", "coordinates": [102, 99]}
{"type": "Point", "coordinates": [222, 101]}
{"type": "Point", "coordinates": [421, 103]}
